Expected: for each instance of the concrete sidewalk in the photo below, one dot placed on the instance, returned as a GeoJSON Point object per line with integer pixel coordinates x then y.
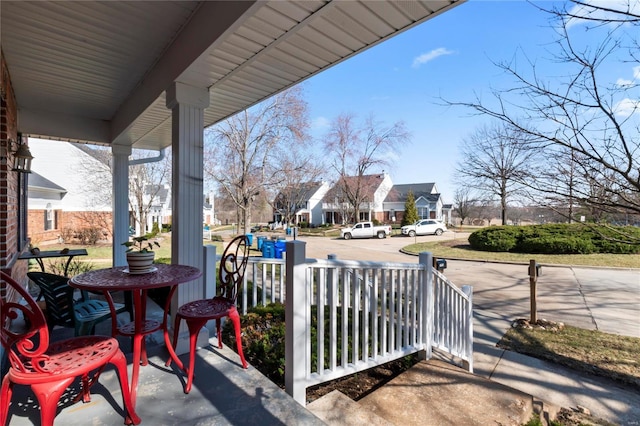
{"type": "Point", "coordinates": [549, 382]}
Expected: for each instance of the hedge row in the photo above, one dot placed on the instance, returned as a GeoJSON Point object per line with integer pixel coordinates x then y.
{"type": "Point", "coordinates": [558, 239]}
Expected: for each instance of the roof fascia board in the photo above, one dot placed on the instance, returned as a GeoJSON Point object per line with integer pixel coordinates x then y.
{"type": "Point", "coordinates": [194, 40]}
{"type": "Point", "coordinates": [50, 125]}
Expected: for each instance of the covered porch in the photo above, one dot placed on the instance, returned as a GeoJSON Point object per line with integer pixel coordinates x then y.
{"type": "Point", "coordinates": [152, 75]}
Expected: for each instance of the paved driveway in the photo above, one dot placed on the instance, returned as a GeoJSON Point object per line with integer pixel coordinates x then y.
{"type": "Point", "coordinates": [591, 298]}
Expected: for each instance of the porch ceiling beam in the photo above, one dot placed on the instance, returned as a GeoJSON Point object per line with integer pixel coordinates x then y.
{"type": "Point", "coordinates": [44, 124]}
{"type": "Point", "coordinates": [206, 28]}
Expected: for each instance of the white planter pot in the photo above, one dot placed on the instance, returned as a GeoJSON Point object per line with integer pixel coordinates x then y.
{"type": "Point", "coordinates": [140, 262]}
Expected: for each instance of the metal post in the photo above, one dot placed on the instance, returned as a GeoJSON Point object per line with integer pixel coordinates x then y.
{"type": "Point", "coordinates": [533, 278]}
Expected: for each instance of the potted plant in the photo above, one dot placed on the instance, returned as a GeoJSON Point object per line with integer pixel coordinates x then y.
{"type": "Point", "coordinates": [140, 254]}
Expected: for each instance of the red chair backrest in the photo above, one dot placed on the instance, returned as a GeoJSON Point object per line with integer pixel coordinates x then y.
{"type": "Point", "coordinates": [29, 342]}
{"type": "Point", "coordinates": [232, 266]}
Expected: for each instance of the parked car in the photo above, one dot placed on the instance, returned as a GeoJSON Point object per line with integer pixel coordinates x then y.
{"type": "Point", "coordinates": [365, 230]}
{"type": "Point", "coordinates": [424, 227]}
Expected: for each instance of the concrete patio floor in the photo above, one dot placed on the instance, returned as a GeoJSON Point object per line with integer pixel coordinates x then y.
{"type": "Point", "coordinates": [223, 393]}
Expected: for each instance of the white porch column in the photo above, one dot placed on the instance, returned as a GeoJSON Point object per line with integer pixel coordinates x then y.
{"type": "Point", "coordinates": [120, 226]}
{"type": "Point", "coordinates": [187, 104]}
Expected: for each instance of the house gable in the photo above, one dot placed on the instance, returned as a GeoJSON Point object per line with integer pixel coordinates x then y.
{"type": "Point", "coordinates": [427, 199]}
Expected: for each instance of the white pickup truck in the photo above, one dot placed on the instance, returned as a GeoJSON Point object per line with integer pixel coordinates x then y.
{"type": "Point", "coordinates": [365, 230]}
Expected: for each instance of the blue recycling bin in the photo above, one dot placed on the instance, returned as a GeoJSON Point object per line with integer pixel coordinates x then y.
{"type": "Point", "coordinates": [288, 231]}
{"type": "Point", "coordinates": [279, 248]}
{"type": "Point", "coordinates": [260, 242]}
{"type": "Point", "coordinates": [268, 249]}
{"type": "Point", "coordinates": [249, 239]}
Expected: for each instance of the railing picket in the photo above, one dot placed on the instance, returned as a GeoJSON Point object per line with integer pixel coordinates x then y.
{"type": "Point", "coordinates": [365, 314]}
{"type": "Point", "coordinates": [355, 313]}
{"type": "Point", "coordinates": [345, 318]}
{"type": "Point", "coordinates": [399, 301]}
{"type": "Point", "coordinates": [374, 318]}
{"type": "Point", "coordinates": [384, 301]}
{"type": "Point", "coordinates": [333, 313]}
{"type": "Point", "coordinates": [320, 284]}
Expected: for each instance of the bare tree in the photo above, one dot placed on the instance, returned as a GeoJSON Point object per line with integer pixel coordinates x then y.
{"type": "Point", "coordinates": [96, 194]}
{"type": "Point", "coordinates": [463, 204]}
{"type": "Point", "coordinates": [493, 160]}
{"type": "Point", "coordinates": [355, 151]}
{"type": "Point", "coordinates": [243, 153]}
{"type": "Point", "coordinates": [595, 119]}
{"type": "Point", "coordinates": [146, 184]}
{"type": "Point", "coordinates": [301, 174]}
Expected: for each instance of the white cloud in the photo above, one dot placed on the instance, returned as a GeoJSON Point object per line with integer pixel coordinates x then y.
{"type": "Point", "coordinates": [426, 57]}
{"type": "Point", "coordinates": [623, 82]}
{"type": "Point", "coordinates": [626, 107]}
{"type": "Point", "coordinates": [320, 123]}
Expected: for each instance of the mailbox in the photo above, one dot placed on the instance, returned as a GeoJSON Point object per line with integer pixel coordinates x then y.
{"type": "Point", "coordinates": [535, 270]}
{"type": "Point", "coordinates": [441, 264]}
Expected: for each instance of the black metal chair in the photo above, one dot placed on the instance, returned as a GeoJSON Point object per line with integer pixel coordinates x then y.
{"type": "Point", "coordinates": [61, 309]}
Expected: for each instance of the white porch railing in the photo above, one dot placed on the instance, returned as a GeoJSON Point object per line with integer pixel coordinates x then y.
{"type": "Point", "coordinates": [370, 313]}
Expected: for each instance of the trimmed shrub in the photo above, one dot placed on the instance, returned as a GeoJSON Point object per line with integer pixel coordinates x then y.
{"type": "Point", "coordinates": [558, 239]}
{"type": "Point", "coordinates": [496, 239]}
{"type": "Point", "coordinates": [556, 244]}
{"type": "Point", "coordinates": [155, 229]}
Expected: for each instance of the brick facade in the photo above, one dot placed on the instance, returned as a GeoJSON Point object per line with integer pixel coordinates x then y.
{"type": "Point", "coordinates": [66, 224]}
{"type": "Point", "coordinates": [10, 182]}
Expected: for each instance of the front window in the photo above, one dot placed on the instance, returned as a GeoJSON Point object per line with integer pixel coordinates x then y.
{"type": "Point", "coordinates": [423, 212]}
{"type": "Point", "coordinates": [49, 218]}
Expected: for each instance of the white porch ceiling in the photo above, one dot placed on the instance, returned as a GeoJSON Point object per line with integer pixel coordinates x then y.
{"type": "Point", "coordinates": [97, 71]}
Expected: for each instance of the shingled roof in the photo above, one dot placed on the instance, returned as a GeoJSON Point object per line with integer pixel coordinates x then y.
{"type": "Point", "coordinates": [398, 193]}
{"type": "Point", "coordinates": [369, 185]}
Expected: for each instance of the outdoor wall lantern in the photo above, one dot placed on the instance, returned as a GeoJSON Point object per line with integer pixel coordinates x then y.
{"type": "Point", "coordinates": [21, 156]}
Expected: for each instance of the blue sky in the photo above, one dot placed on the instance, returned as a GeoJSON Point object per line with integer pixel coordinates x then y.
{"type": "Point", "coordinates": [449, 56]}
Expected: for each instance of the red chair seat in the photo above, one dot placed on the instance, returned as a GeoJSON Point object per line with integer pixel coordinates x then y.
{"type": "Point", "coordinates": [67, 358]}
{"type": "Point", "coordinates": [218, 307]}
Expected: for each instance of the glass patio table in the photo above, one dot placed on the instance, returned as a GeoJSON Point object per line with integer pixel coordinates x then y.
{"type": "Point", "coordinates": [119, 279]}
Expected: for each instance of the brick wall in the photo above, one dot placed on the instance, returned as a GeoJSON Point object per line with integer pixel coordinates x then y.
{"type": "Point", "coordinates": [67, 223]}
{"type": "Point", "coordinates": [8, 182]}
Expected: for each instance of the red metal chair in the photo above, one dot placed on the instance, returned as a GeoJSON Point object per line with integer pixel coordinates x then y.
{"type": "Point", "coordinates": [50, 369]}
{"type": "Point", "coordinates": [198, 312]}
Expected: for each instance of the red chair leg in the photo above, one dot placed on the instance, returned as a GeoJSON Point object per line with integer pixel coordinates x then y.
{"type": "Point", "coordinates": [219, 332]}
{"type": "Point", "coordinates": [5, 398]}
{"type": "Point", "coordinates": [194, 328]}
{"type": "Point", "coordinates": [120, 362]}
{"type": "Point", "coordinates": [85, 392]}
{"type": "Point", "coordinates": [176, 329]}
{"type": "Point", "coordinates": [48, 395]}
{"type": "Point", "coordinates": [235, 318]}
